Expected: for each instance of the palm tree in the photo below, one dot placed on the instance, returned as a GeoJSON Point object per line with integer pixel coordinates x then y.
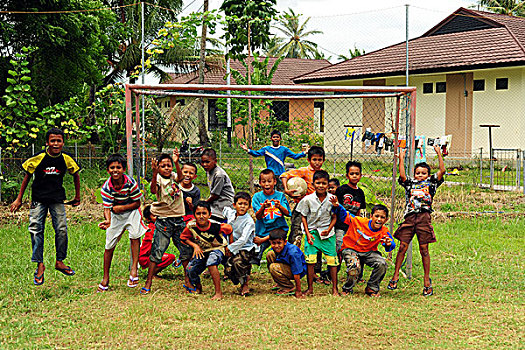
{"type": "Point", "coordinates": [505, 7]}
{"type": "Point", "coordinates": [352, 53]}
{"type": "Point", "coordinates": [294, 43]}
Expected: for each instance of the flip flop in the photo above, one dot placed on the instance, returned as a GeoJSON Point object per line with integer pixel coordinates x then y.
{"type": "Point", "coordinates": [36, 277]}
{"type": "Point", "coordinates": [133, 281]}
{"type": "Point", "coordinates": [68, 271]}
{"type": "Point", "coordinates": [275, 288]}
{"type": "Point", "coordinates": [428, 291]}
{"type": "Point", "coordinates": [190, 290]}
{"type": "Point", "coordinates": [285, 293]}
{"type": "Point", "coordinates": [144, 291]}
{"type": "Point", "coordinates": [177, 263]}
{"type": "Point", "coordinates": [392, 285]}
{"type": "Point", "coordinates": [101, 288]}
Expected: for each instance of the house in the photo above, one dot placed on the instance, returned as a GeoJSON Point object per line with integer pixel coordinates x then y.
{"type": "Point", "coordinates": [292, 111]}
{"type": "Point", "coordinates": [469, 70]}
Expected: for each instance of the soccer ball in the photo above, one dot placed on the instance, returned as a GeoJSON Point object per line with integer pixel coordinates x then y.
{"type": "Point", "coordinates": [297, 185]}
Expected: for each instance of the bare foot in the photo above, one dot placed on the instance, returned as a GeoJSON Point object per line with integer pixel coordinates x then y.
{"type": "Point", "coordinates": [336, 294]}
{"type": "Point", "coordinates": [60, 265]}
{"type": "Point", "coordinates": [285, 291]}
{"type": "Point", "coordinates": [245, 290]}
{"type": "Point", "coordinates": [308, 292]}
{"type": "Point", "coordinates": [216, 297]}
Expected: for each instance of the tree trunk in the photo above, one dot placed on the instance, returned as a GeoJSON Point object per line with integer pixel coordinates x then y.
{"type": "Point", "coordinates": [203, 133]}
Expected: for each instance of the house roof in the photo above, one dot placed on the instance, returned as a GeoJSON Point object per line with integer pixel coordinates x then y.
{"type": "Point", "coordinates": [466, 39]}
{"type": "Point", "coordinates": [288, 69]}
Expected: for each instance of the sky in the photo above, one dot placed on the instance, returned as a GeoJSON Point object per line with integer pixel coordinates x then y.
{"type": "Point", "coordinates": [366, 25]}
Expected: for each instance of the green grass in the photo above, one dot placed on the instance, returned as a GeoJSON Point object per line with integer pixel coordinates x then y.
{"type": "Point", "coordinates": [477, 272]}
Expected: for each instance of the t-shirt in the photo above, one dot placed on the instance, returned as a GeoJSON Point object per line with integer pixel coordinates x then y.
{"type": "Point", "coordinates": [128, 194]}
{"type": "Point", "coordinates": [194, 193]}
{"type": "Point", "coordinates": [275, 156]}
{"type": "Point", "coordinates": [419, 194]}
{"type": "Point", "coordinates": [352, 199]}
{"type": "Point", "coordinates": [210, 238]}
{"type": "Point", "coordinates": [273, 218]}
{"type": "Point", "coordinates": [361, 237]}
{"type": "Point", "coordinates": [318, 214]}
{"type": "Point", "coordinates": [145, 246]}
{"type": "Point", "coordinates": [170, 202]}
{"type": "Point", "coordinates": [220, 184]}
{"type": "Point", "coordinates": [48, 175]}
{"type": "Point", "coordinates": [243, 230]}
{"type": "Point", "coordinates": [293, 256]}
{"type": "Point", "coordinates": [306, 173]}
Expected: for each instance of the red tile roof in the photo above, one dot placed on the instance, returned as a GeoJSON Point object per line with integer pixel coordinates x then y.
{"type": "Point", "coordinates": [501, 43]}
{"type": "Point", "coordinates": [288, 69]}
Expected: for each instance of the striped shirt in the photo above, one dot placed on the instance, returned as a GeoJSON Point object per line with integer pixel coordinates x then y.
{"type": "Point", "coordinates": [128, 194]}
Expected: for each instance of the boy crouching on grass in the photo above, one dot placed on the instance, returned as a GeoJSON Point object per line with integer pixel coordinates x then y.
{"type": "Point", "coordinates": [286, 263]}
{"type": "Point", "coordinates": [208, 240]}
{"type": "Point", "coordinates": [241, 252]}
{"type": "Point", "coordinates": [360, 247]}
{"type": "Point", "coordinates": [121, 198]}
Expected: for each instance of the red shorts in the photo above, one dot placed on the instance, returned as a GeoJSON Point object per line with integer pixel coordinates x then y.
{"type": "Point", "coordinates": [167, 260]}
{"type": "Point", "coordinates": [418, 224]}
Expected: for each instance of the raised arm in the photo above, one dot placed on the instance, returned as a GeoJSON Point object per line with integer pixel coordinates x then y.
{"type": "Point", "coordinates": [402, 173]}
{"type": "Point", "coordinates": [290, 154]}
{"type": "Point", "coordinates": [441, 172]}
{"type": "Point", "coordinates": [177, 164]}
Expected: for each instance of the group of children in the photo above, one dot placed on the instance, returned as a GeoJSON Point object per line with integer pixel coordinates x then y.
{"type": "Point", "coordinates": [219, 230]}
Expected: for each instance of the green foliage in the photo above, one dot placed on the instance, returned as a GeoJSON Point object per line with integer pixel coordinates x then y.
{"type": "Point", "coordinates": [355, 52]}
{"type": "Point", "coordinates": [505, 7]}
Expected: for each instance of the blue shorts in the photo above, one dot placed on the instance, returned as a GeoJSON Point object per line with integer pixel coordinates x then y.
{"type": "Point", "coordinates": [197, 266]}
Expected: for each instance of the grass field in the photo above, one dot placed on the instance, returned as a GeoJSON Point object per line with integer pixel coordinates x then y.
{"type": "Point", "coordinates": [477, 272]}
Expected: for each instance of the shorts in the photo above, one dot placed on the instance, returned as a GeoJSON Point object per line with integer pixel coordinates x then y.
{"type": "Point", "coordinates": [129, 220]}
{"type": "Point", "coordinates": [325, 246]}
{"type": "Point", "coordinates": [166, 229]}
{"type": "Point", "coordinates": [418, 224]}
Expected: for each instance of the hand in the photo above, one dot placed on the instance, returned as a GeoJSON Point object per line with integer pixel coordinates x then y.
{"type": "Point", "coordinates": [198, 253]}
{"type": "Point", "coordinates": [324, 233]}
{"type": "Point", "coordinates": [386, 241]}
{"type": "Point", "coordinates": [154, 166]}
{"type": "Point", "coordinates": [175, 155]}
{"type": "Point", "coordinates": [291, 193]}
{"type": "Point", "coordinates": [437, 149]}
{"type": "Point", "coordinates": [305, 148]}
{"type": "Point", "coordinates": [258, 240]}
{"type": "Point", "coordinates": [402, 152]}
{"type": "Point", "coordinates": [310, 238]}
{"type": "Point", "coordinates": [15, 205]}
{"type": "Point", "coordinates": [227, 252]}
{"type": "Point", "coordinates": [104, 224]}
{"type": "Point", "coordinates": [276, 202]}
{"type": "Point", "coordinates": [334, 201]}
{"type": "Point", "coordinates": [244, 147]}
{"type": "Point", "coordinates": [266, 204]}
{"type": "Point", "coordinates": [189, 201]}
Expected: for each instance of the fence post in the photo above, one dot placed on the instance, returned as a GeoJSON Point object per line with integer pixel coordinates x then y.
{"type": "Point", "coordinates": [518, 168]}
{"type": "Point", "coordinates": [0, 174]}
{"type": "Point", "coordinates": [481, 167]}
{"type": "Point", "coordinates": [491, 155]}
{"type": "Point", "coordinates": [523, 170]}
{"type": "Point", "coordinates": [76, 151]}
{"type": "Point", "coordinates": [334, 163]}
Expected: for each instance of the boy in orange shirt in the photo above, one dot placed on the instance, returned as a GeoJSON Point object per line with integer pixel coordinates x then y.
{"type": "Point", "coordinates": [360, 246]}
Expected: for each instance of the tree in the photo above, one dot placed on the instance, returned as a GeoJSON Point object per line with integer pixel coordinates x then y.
{"type": "Point", "coordinates": [352, 53]}
{"type": "Point", "coordinates": [294, 43]}
{"type": "Point", "coordinates": [505, 7]}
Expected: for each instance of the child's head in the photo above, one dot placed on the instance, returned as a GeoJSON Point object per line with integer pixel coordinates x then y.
{"type": "Point", "coordinates": [320, 180]}
{"type": "Point", "coordinates": [54, 141]}
{"type": "Point", "coordinates": [278, 240]}
{"type": "Point", "coordinates": [267, 181]}
{"type": "Point", "coordinates": [275, 136]}
{"type": "Point", "coordinates": [421, 171]}
{"type": "Point", "coordinates": [379, 216]}
{"type": "Point", "coordinates": [316, 157]}
{"type": "Point", "coordinates": [353, 172]}
{"type": "Point", "coordinates": [333, 185]}
{"type": "Point", "coordinates": [242, 202]}
{"type": "Point", "coordinates": [189, 173]}
{"type": "Point", "coordinates": [165, 164]}
{"type": "Point", "coordinates": [147, 215]}
{"type": "Point", "coordinates": [209, 159]}
{"type": "Point", "coordinates": [202, 213]}
{"type": "Point", "coordinates": [116, 166]}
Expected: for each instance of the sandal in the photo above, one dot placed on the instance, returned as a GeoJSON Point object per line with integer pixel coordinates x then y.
{"type": "Point", "coordinates": [285, 293]}
{"type": "Point", "coordinates": [144, 291]}
{"type": "Point", "coordinates": [133, 281]}
{"type": "Point", "coordinates": [190, 290]}
{"type": "Point", "coordinates": [371, 293]}
{"type": "Point", "coordinates": [36, 277]}
{"type": "Point", "coordinates": [101, 288]}
{"type": "Point", "coordinates": [275, 288]}
{"type": "Point", "coordinates": [428, 291]}
{"type": "Point", "coordinates": [392, 285]}
{"type": "Point", "coordinates": [68, 271]}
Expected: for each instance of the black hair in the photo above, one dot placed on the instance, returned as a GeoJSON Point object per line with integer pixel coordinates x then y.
{"type": "Point", "coordinates": [243, 195]}
{"type": "Point", "coordinates": [381, 207]}
{"type": "Point", "coordinates": [116, 157]}
{"type": "Point", "coordinates": [422, 165]}
{"type": "Point", "coordinates": [209, 152]}
{"type": "Point", "coordinates": [192, 165]}
{"type": "Point", "coordinates": [335, 181]}
{"type": "Point", "coordinates": [163, 156]}
{"type": "Point", "coordinates": [146, 212]}
{"type": "Point", "coordinates": [54, 131]}
{"type": "Point", "coordinates": [275, 132]}
{"type": "Point", "coordinates": [315, 151]}
{"type": "Point", "coordinates": [278, 233]}
{"type": "Point", "coordinates": [321, 174]}
{"type": "Point", "coordinates": [353, 163]}
{"type": "Point", "coordinates": [267, 172]}
{"type": "Point", "coordinates": [202, 204]}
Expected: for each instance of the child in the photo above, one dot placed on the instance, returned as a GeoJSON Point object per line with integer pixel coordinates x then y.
{"type": "Point", "coordinates": [145, 247]}
{"type": "Point", "coordinates": [48, 194]}
{"type": "Point", "coordinates": [315, 159]}
{"type": "Point", "coordinates": [318, 222]}
{"type": "Point", "coordinates": [419, 193]}
{"type": "Point", "coordinates": [241, 252]}
{"type": "Point", "coordinates": [221, 188]}
{"type": "Point", "coordinates": [192, 194]}
{"type": "Point", "coordinates": [169, 210]}
{"type": "Point", "coordinates": [270, 208]}
{"type": "Point", "coordinates": [275, 154]}
{"type": "Point", "coordinates": [121, 198]}
{"type": "Point", "coordinates": [208, 240]}
{"type": "Point", "coordinates": [286, 263]}
{"type": "Point", "coordinates": [360, 247]}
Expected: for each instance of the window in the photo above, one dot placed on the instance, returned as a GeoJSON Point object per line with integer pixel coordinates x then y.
{"type": "Point", "coordinates": [441, 87]}
{"type": "Point", "coordinates": [319, 113]}
{"type": "Point", "coordinates": [479, 85]}
{"type": "Point", "coordinates": [280, 111]}
{"type": "Point", "coordinates": [502, 83]}
{"type": "Point", "coordinates": [428, 88]}
{"type": "Point", "coordinates": [180, 102]}
{"type": "Point", "coordinates": [167, 104]}
{"type": "Point", "coordinates": [213, 119]}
